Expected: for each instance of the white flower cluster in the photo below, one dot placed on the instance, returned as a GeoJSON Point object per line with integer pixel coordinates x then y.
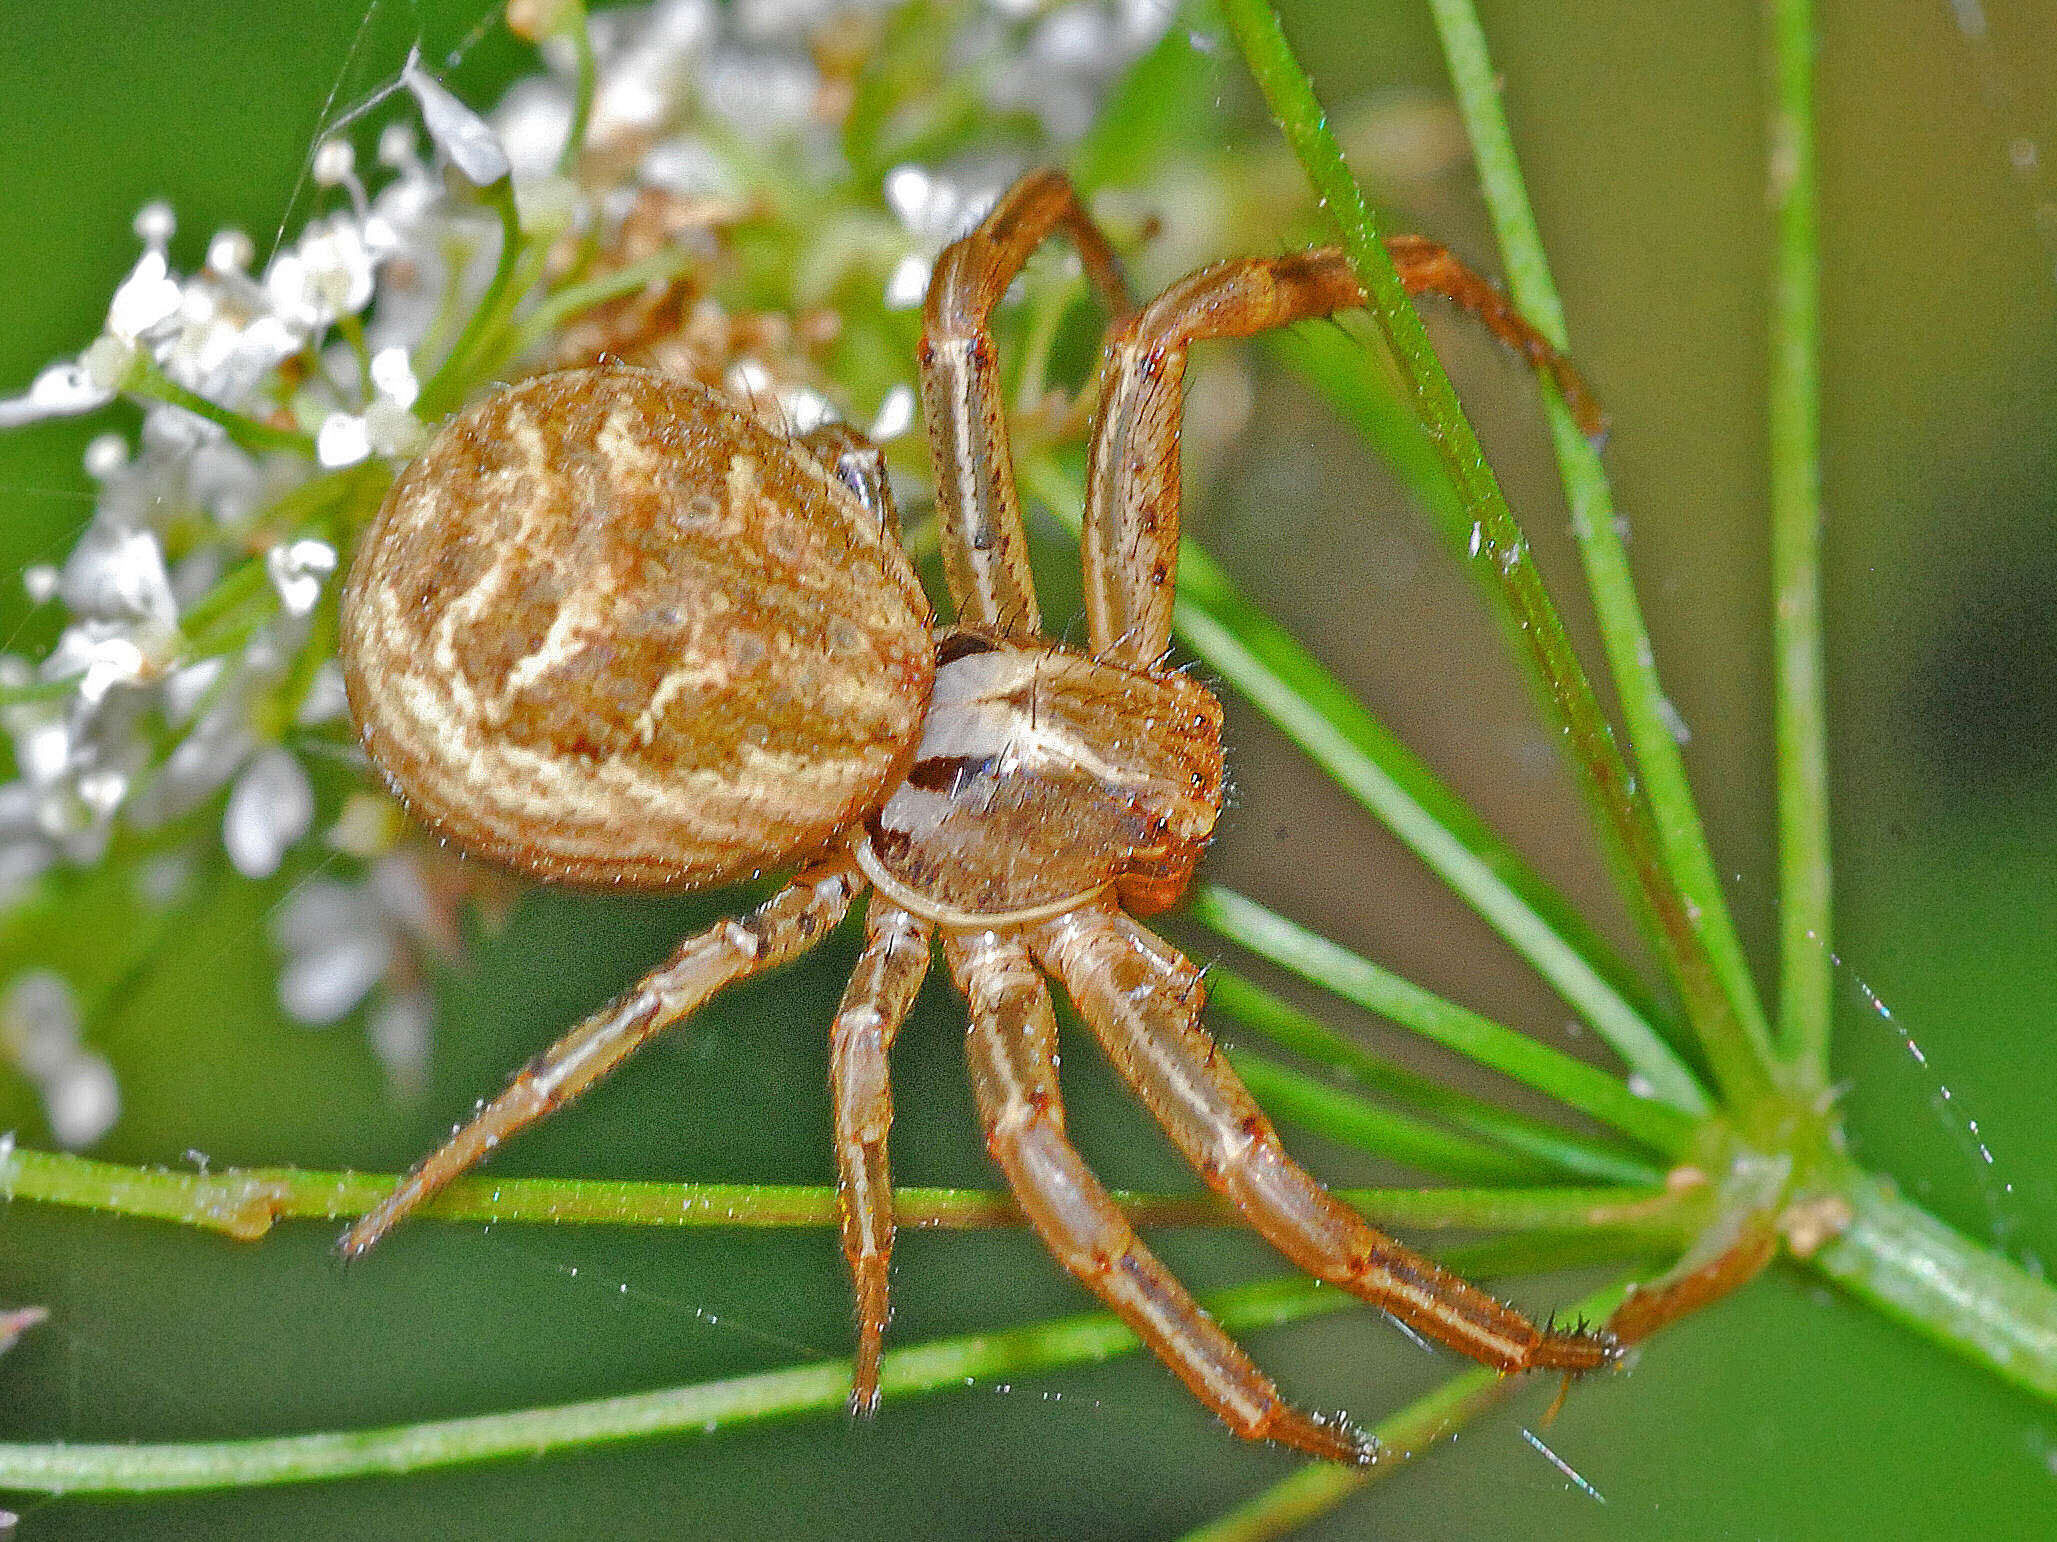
{"type": "Point", "coordinates": [182, 668]}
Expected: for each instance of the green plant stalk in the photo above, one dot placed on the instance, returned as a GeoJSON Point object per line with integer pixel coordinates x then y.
{"type": "Point", "coordinates": [144, 378]}
{"type": "Point", "coordinates": [42, 690]}
{"type": "Point", "coordinates": [574, 25]}
{"type": "Point", "coordinates": [1800, 709]}
{"type": "Point", "coordinates": [452, 378]}
{"type": "Point", "coordinates": [1296, 1098]}
{"type": "Point", "coordinates": [244, 1203]}
{"type": "Point", "coordinates": [1564, 1150]}
{"type": "Point", "coordinates": [557, 309]}
{"type": "Point", "coordinates": [1316, 1489]}
{"type": "Point", "coordinates": [1285, 682]}
{"type": "Point", "coordinates": [1694, 927]}
{"type": "Point", "coordinates": [1336, 363]}
{"type": "Point", "coordinates": [1356, 979]}
{"type": "Point", "coordinates": [1502, 554]}
{"type": "Point", "coordinates": [66, 1467]}
{"type": "Point", "coordinates": [1919, 1272]}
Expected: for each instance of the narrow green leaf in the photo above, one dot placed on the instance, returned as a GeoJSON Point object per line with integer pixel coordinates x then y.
{"type": "Point", "coordinates": [1945, 1287]}
{"type": "Point", "coordinates": [1314, 958]}
{"type": "Point", "coordinates": [244, 1203]}
{"type": "Point", "coordinates": [1564, 1150]}
{"type": "Point", "coordinates": [1342, 1116]}
{"type": "Point", "coordinates": [1681, 888]}
{"type": "Point", "coordinates": [1805, 981]}
{"type": "Point", "coordinates": [69, 1467]}
{"type": "Point", "coordinates": [1498, 549]}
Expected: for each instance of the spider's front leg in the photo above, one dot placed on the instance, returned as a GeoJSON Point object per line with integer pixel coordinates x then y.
{"type": "Point", "coordinates": [985, 548]}
{"type": "Point", "coordinates": [1013, 1051]}
{"type": "Point", "coordinates": [1142, 999]}
{"type": "Point", "coordinates": [783, 927]}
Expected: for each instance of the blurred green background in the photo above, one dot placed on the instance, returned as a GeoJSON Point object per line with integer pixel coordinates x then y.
{"type": "Point", "coordinates": [1783, 1413]}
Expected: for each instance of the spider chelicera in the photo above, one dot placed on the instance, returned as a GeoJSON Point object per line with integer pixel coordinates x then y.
{"type": "Point", "coordinates": [610, 629]}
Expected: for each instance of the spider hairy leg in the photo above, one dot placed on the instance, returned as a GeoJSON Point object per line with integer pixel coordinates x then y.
{"type": "Point", "coordinates": [1429, 267]}
{"type": "Point", "coordinates": [1142, 1000]}
{"type": "Point", "coordinates": [783, 927]}
{"type": "Point", "coordinates": [985, 548]}
{"type": "Point", "coordinates": [1130, 539]}
{"type": "Point", "coordinates": [1012, 1047]}
{"type": "Point", "coordinates": [881, 992]}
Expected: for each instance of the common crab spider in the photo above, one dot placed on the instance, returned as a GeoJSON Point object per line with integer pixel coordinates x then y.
{"type": "Point", "coordinates": [610, 629]}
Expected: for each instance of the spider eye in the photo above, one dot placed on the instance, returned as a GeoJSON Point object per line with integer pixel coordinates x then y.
{"type": "Point", "coordinates": [962, 645]}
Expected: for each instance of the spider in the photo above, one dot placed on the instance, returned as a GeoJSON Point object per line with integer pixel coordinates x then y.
{"type": "Point", "coordinates": [609, 629]}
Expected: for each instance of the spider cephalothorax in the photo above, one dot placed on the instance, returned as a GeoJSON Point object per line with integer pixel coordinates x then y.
{"type": "Point", "coordinates": [608, 628]}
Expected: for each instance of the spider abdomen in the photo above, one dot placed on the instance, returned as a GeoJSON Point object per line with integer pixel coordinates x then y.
{"type": "Point", "coordinates": [607, 628]}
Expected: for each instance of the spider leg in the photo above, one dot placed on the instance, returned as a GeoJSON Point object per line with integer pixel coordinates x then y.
{"type": "Point", "coordinates": [985, 550]}
{"type": "Point", "coordinates": [784, 926]}
{"type": "Point", "coordinates": [1013, 1051]}
{"type": "Point", "coordinates": [1429, 267]}
{"type": "Point", "coordinates": [881, 992]}
{"type": "Point", "coordinates": [1142, 999]}
{"type": "Point", "coordinates": [1130, 541]}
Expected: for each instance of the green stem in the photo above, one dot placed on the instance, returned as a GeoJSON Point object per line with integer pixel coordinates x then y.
{"type": "Point", "coordinates": [1680, 887]}
{"type": "Point", "coordinates": [231, 592]}
{"type": "Point", "coordinates": [1285, 682]}
{"type": "Point", "coordinates": [1564, 1150]}
{"type": "Point", "coordinates": [40, 690]}
{"type": "Point", "coordinates": [453, 376]}
{"type": "Point", "coordinates": [1902, 1260]}
{"type": "Point", "coordinates": [1334, 968]}
{"type": "Point", "coordinates": [574, 25]}
{"type": "Point", "coordinates": [244, 1203]}
{"type": "Point", "coordinates": [1805, 984]}
{"type": "Point", "coordinates": [1296, 1098]}
{"type": "Point", "coordinates": [144, 378]}
{"type": "Point", "coordinates": [67, 1467]}
{"type": "Point", "coordinates": [553, 312]}
{"type": "Point", "coordinates": [1657, 859]}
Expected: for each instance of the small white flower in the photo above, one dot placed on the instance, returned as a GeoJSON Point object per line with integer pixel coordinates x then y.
{"type": "Point", "coordinates": [392, 375]}
{"type": "Point", "coordinates": [146, 299]}
{"type": "Point", "coordinates": [60, 390]}
{"type": "Point", "coordinates": [99, 655]}
{"type": "Point", "coordinates": [328, 273]}
{"type": "Point", "coordinates": [391, 429]}
{"type": "Point", "coordinates": [118, 574]}
{"type": "Point", "coordinates": [935, 210]}
{"type": "Point", "coordinates": [269, 808]}
{"type": "Point", "coordinates": [466, 140]}
{"type": "Point", "coordinates": [297, 570]}
{"type": "Point", "coordinates": [338, 945]}
{"type": "Point", "coordinates": [39, 1033]}
{"type": "Point", "coordinates": [342, 440]}
{"type": "Point", "coordinates": [895, 415]}
{"type": "Point", "coordinates": [400, 1026]}
{"type": "Point", "coordinates": [347, 944]}
{"type": "Point", "coordinates": [649, 64]}
{"type": "Point", "coordinates": [325, 701]}
{"type": "Point", "coordinates": [230, 252]}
